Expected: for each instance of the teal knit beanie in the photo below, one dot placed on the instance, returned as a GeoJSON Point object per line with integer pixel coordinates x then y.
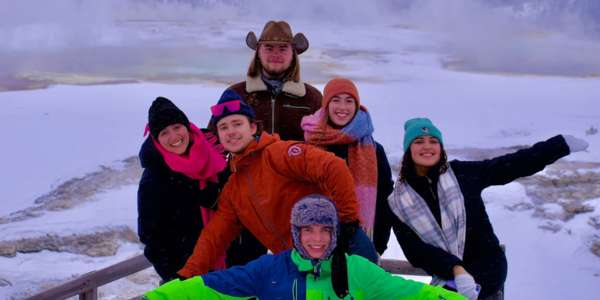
{"type": "Point", "coordinates": [417, 127]}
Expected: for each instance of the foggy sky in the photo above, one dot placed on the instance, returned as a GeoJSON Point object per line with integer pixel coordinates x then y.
{"type": "Point", "coordinates": [556, 37]}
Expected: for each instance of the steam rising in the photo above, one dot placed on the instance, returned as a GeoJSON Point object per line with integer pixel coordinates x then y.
{"type": "Point", "coordinates": [548, 37]}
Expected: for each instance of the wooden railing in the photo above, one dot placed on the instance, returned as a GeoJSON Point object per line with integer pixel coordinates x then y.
{"type": "Point", "coordinates": [87, 285]}
{"type": "Point", "coordinates": [401, 267]}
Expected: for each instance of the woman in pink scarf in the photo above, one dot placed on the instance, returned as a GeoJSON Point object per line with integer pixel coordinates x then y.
{"type": "Point", "coordinates": [185, 169]}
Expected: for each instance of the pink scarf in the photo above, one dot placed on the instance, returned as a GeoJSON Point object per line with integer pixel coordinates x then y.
{"type": "Point", "coordinates": [203, 162]}
{"type": "Point", "coordinates": [362, 158]}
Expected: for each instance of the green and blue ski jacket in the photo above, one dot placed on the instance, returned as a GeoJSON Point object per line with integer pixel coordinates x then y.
{"type": "Point", "coordinates": [289, 276]}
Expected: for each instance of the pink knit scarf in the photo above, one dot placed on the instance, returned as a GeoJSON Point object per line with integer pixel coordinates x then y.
{"type": "Point", "coordinates": [362, 159]}
{"type": "Point", "coordinates": [204, 160]}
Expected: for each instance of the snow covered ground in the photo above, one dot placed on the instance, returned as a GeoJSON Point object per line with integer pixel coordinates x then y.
{"type": "Point", "coordinates": [63, 132]}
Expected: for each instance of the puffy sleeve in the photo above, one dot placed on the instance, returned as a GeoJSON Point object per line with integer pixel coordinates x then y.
{"type": "Point", "coordinates": [241, 282]}
{"type": "Point", "coordinates": [325, 169]}
{"type": "Point", "coordinates": [505, 169]}
{"type": "Point", "coordinates": [377, 284]}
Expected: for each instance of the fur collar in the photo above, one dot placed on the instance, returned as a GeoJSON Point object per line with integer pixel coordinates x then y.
{"type": "Point", "coordinates": [255, 84]}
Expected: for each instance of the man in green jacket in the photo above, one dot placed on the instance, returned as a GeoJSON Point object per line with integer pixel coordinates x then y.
{"type": "Point", "coordinates": [313, 270]}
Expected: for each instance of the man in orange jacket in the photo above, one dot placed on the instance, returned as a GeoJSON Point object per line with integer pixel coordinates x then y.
{"type": "Point", "coordinates": [269, 177]}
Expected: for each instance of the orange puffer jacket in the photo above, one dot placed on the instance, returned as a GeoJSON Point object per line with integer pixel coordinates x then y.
{"type": "Point", "coordinates": [269, 178]}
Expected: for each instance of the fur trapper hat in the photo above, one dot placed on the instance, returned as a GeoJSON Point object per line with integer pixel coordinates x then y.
{"type": "Point", "coordinates": [314, 210]}
{"type": "Point", "coordinates": [278, 33]}
{"type": "Point", "coordinates": [164, 113]}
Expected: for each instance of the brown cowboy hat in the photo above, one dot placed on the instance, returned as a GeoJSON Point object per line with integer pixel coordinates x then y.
{"type": "Point", "coordinates": [278, 33]}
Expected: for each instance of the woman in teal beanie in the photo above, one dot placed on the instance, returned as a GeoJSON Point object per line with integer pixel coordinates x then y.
{"type": "Point", "coordinates": [312, 270]}
{"type": "Point", "coordinates": [439, 217]}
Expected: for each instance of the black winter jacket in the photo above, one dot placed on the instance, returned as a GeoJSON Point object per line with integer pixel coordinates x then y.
{"type": "Point", "coordinates": [385, 186]}
{"type": "Point", "coordinates": [169, 218]}
{"type": "Point", "coordinates": [473, 176]}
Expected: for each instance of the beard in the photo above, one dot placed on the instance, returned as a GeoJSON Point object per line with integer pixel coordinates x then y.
{"type": "Point", "coordinates": [275, 72]}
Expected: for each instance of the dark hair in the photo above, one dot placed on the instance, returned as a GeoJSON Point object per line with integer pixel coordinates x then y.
{"type": "Point", "coordinates": [293, 71]}
{"type": "Point", "coordinates": [408, 165]}
{"type": "Point", "coordinates": [259, 126]}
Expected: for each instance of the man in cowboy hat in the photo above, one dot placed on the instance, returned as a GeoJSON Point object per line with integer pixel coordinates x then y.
{"type": "Point", "coordinates": [273, 88]}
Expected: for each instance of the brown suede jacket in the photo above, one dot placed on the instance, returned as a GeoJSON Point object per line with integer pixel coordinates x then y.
{"type": "Point", "coordinates": [283, 114]}
{"type": "Point", "coordinates": [270, 177]}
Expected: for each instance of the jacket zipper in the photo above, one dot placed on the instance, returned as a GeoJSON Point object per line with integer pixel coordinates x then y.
{"type": "Point", "coordinates": [263, 212]}
{"type": "Point", "coordinates": [295, 106]}
{"type": "Point", "coordinates": [273, 114]}
{"type": "Point", "coordinates": [431, 190]}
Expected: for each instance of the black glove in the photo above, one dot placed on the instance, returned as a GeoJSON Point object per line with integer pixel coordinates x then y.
{"type": "Point", "coordinates": [176, 276]}
{"type": "Point", "coordinates": [347, 231]}
{"type": "Point", "coordinates": [209, 195]}
{"type": "Point", "coordinates": [339, 268]}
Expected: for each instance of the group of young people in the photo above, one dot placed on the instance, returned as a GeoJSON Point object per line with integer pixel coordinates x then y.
{"type": "Point", "coordinates": [284, 169]}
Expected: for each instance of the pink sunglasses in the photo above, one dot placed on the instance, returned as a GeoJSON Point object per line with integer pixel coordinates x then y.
{"type": "Point", "coordinates": [232, 106]}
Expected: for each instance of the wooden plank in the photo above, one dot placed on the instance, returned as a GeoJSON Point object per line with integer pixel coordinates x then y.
{"type": "Point", "coordinates": [89, 295]}
{"type": "Point", "coordinates": [95, 279]}
{"type": "Point", "coordinates": [401, 267]}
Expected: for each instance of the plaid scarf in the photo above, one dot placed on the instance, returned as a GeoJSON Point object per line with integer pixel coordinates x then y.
{"type": "Point", "coordinates": [362, 159]}
{"type": "Point", "coordinates": [412, 209]}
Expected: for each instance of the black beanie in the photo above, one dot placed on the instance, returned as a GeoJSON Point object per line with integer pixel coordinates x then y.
{"type": "Point", "coordinates": [164, 113]}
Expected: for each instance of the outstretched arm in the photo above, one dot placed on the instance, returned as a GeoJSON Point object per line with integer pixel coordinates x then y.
{"type": "Point", "coordinates": [378, 284]}
{"type": "Point", "coordinates": [241, 282]}
{"type": "Point", "coordinates": [505, 169]}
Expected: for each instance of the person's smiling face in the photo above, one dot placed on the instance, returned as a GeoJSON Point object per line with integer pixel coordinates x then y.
{"type": "Point", "coordinates": [342, 109]}
{"type": "Point", "coordinates": [315, 239]}
{"type": "Point", "coordinates": [425, 152]}
{"type": "Point", "coordinates": [275, 59]}
{"type": "Point", "coordinates": [174, 138]}
{"type": "Point", "coordinates": [235, 133]}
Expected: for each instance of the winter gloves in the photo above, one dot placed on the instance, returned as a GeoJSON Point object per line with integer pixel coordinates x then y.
{"type": "Point", "coordinates": [339, 268]}
{"type": "Point", "coordinates": [465, 285]}
{"type": "Point", "coordinates": [347, 231]}
{"type": "Point", "coordinates": [575, 144]}
{"type": "Point", "coordinates": [339, 272]}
